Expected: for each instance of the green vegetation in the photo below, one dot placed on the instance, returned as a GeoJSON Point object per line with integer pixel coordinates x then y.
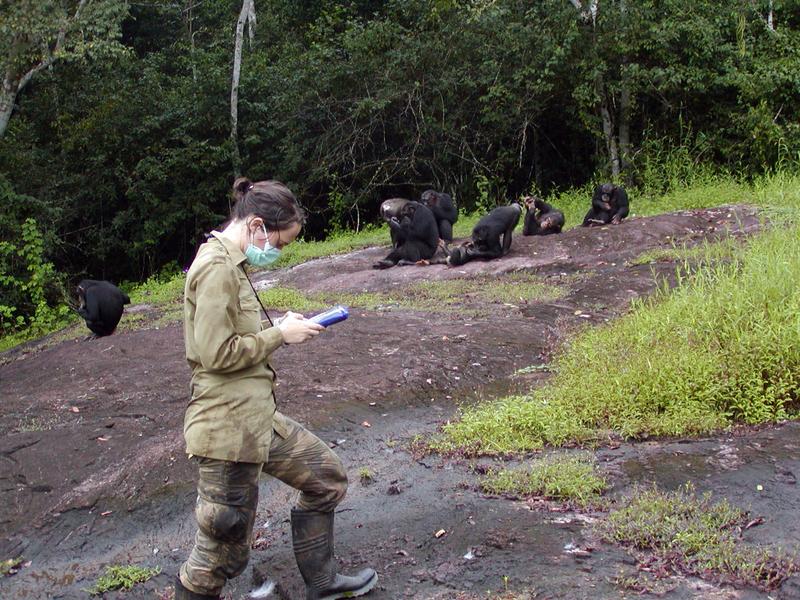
{"type": "Point", "coordinates": [686, 533]}
{"type": "Point", "coordinates": [123, 154]}
{"type": "Point", "coordinates": [562, 477]}
{"type": "Point", "coordinates": [365, 476]}
{"type": "Point", "coordinates": [721, 348]}
{"type": "Point", "coordinates": [122, 577]}
{"type": "Point", "coordinates": [10, 566]}
{"type": "Point", "coordinates": [463, 294]}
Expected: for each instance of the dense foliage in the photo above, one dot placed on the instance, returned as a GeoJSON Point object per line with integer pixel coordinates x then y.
{"type": "Point", "coordinates": [121, 149]}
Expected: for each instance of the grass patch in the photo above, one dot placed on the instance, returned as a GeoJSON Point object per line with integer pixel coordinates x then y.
{"type": "Point", "coordinates": [727, 249]}
{"type": "Point", "coordinates": [564, 478]}
{"type": "Point", "coordinates": [690, 534]}
{"type": "Point", "coordinates": [430, 296]}
{"type": "Point", "coordinates": [723, 347]}
{"type": "Point", "coordinates": [122, 577]}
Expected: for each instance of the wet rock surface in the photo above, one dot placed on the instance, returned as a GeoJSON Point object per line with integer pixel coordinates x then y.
{"type": "Point", "coordinates": [92, 469]}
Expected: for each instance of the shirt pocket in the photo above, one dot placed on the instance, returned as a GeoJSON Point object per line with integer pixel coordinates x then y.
{"type": "Point", "coordinates": [249, 318]}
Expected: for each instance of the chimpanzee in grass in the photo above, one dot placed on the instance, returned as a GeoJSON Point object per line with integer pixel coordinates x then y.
{"type": "Point", "coordinates": [101, 304]}
{"type": "Point", "coordinates": [416, 234]}
{"type": "Point", "coordinates": [609, 205]}
{"type": "Point", "coordinates": [485, 243]}
{"type": "Point", "coordinates": [443, 209]}
{"type": "Point", "coordinates": [391, 209]}
{"type": "Point", "coordinates": [541, 218]}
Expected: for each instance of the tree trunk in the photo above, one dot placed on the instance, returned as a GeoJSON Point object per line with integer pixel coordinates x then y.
{"type": "Point", "coordinates": [13, 83]}
{"type": "Point", "coordinates": [247, 14]}
{"type": "Point", "coordinates": [8, 95]}
{"type": "Point", "coordinates": [608, 127]}
{"type": "Point", "coordinates": [625, 127]}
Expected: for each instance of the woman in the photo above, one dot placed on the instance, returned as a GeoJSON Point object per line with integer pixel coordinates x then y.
{"type": "Point", "coordinates": [231, 426]}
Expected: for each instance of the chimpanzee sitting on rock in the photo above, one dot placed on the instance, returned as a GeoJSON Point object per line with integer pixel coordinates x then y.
{"type": "Point", "coordinates": [541, 218]}
{"type": "Point", "coordinates": [485, 243]}
{"type": "Point", "coordinates": [390, 209]}
{"type": "Point", "coordinates": [609, 205]}
{"type": "Point", "coordinates": [443, 209]}
{"type": "Point", "coordinates": [416, 233]}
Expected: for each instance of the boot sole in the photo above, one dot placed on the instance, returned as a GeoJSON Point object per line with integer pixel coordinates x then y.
{"type": "Point", "coordinates": [353, 593]}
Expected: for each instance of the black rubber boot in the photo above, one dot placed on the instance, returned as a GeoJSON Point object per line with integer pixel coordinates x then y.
{"type": "Point", "coordinates": [183, 593]}
{"type": "Point", "coordinates": [312, 538]}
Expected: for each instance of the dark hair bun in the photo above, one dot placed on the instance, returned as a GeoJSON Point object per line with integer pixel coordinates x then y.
{"type": "Point", "coordinates": [240, 187]}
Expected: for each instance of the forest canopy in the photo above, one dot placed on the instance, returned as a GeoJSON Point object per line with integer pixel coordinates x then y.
{"type": "Point", "coordinates": [123, 124]}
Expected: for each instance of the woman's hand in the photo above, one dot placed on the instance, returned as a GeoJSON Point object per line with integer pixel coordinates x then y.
{"type": "Point", "coordinates": [296, 329]}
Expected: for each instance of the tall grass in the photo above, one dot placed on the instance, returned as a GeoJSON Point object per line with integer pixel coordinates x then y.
{"type": "Point", "coordinates": [723, 347]}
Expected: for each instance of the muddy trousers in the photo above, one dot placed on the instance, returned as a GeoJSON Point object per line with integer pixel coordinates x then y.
{"type": "Point", "coordinates": [227, 498]}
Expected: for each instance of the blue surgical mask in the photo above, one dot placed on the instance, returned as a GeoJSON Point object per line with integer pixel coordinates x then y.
{"type": "Point", "coordinates": [261, 258]}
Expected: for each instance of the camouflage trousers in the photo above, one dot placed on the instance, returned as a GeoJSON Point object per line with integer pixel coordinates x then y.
{"type": "Point", "coordinates": [227, 499]}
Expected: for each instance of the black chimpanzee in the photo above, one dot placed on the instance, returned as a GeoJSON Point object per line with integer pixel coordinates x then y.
{"type": "Point", "coordinates": [541, 218]}
{"type": "Point", "coordinates": [486, 234]}
{"type": "Point", "coordinates": [417, 235]}
{"type": "Point", "coordinates": [391, 209]}
{"type": "Point", "coordinates": [609, 205]}
{"type": "Point", "coordinates": [101, 305]}
{"type": "Point", "coordinates": [443, 209]}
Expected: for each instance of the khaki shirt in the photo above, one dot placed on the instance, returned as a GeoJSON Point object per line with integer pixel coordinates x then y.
{"type": "Point", "coordinates": [232, 411]}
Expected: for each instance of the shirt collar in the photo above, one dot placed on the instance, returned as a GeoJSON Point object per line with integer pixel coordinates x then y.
{"type": "Point", "coordinates": [231, 247]}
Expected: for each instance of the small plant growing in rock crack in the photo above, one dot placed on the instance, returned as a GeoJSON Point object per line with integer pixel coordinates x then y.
{"type": "Point", "coordinates": [681, 532]}
{"type": "Point", "coordinates": [561, 477]}
{"type": "Point", "coordinates": [366, 476]}
{"type": "Point", "coordinates": [122, 577]}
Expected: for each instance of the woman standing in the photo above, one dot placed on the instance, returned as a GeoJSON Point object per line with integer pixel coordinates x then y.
{"type": "Point", "coordinates": [231, 426]}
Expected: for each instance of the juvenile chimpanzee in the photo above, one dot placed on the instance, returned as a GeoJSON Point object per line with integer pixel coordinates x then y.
{"type": "Point", "coordinates": [443, 209]}
{"type": "Point", "coordinates": [609, 205]}
{"type": "Point", "coordinates": [417, 235]}
{"type": "Point", "coordinates": [541, 218]}
{"type": "Point", "coordinates": [391, 209]}
{"type": "Point", "coordinates": [486, 234]}
{"type": "Point", "coordinates": [101, 305]}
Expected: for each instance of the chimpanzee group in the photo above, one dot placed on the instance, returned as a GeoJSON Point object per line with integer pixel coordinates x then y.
{"type": "Point", "coordinates": [422, 231]}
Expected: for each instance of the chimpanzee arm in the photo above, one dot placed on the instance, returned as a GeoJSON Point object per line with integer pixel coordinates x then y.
{"type": "Point", "coordinates": [597, 202]}
{"type": "Point", "coordinates": [531, 226]}
{"type": "Point", "coordinates": [620, 199]}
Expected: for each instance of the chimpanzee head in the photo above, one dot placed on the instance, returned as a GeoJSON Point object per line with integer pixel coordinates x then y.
{"type": "Point", "coordinates": [430, 198]}
{"type": "Point", "coordinates": [457, 256]}
{"type": "Point", "coordinates": [408, 210]}
{"type": "Point", "coordinates": [606, 190]}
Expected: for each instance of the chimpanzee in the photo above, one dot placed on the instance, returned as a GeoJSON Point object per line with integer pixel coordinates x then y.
{"type": "Point", "coordinates": [609, 205]}
{"type": "Point", "coordinates": [417, 235]}
{"type": "Point", "coordinates": [391, 209]}
{"type": "Point", "coordinates": [486, 234]}
{"type": "Point", "coordinates": [101, 305]}
{"type": "Point", "coordinates": [541, 218]}
{"type": "Point", "coordinates": [443, 209]}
